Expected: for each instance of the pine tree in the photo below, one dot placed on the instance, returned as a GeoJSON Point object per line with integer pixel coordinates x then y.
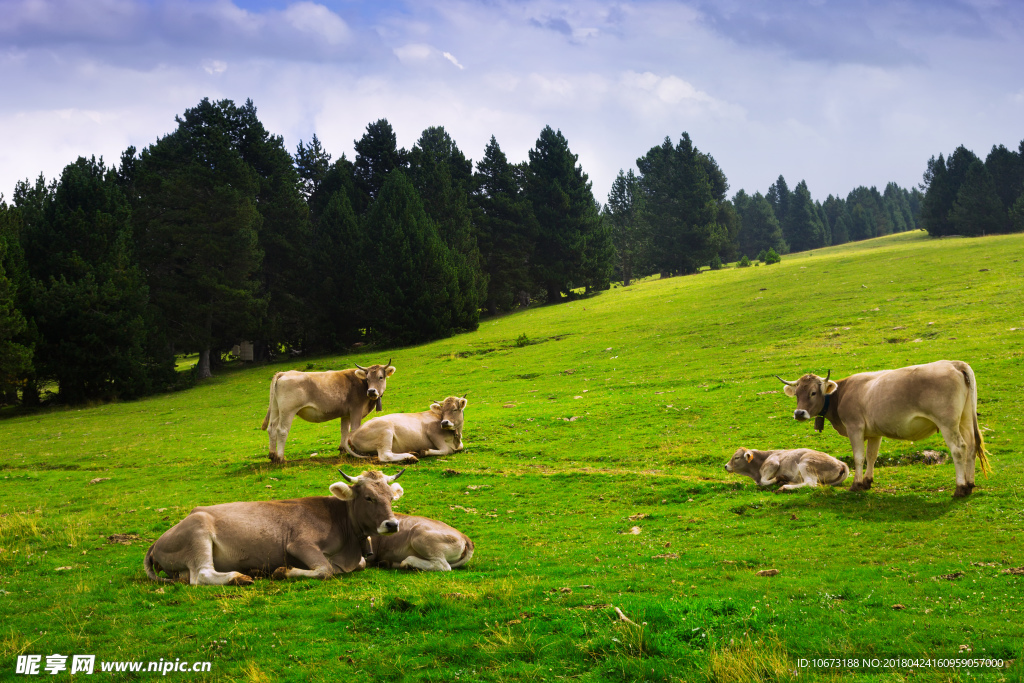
{"type": "Point", "coordinates": [1007, 170]}
{"type": "Point", "coordinates": [442, 175]}
{"type": "Point", "coordinates": [938, 198]}
{"type": "Point", "coordinates": [838, 218]}
{"type": "Point", "coordinates": [683, 188]}
{"type": "Point", "coordinates": [760, 230]}
{"type": "Point", "coordinates": [198, 231]}
{"type": "Point", "coordinates": [312, 163]}
{"type": "Point", "coordinates": [805, 228]}
{"type": "Point", "coordinates": [415, 277]}
{"type": "Point", "coordinates": [507, 229]}
{"type": "Point", "coordinates": [978, 209]}
{"type": "Point", "coordinates": [778, 196]}
{"type": "Point", "coordinates": [15, 354]}
{"type": "Point", "coordinates": [573, 246]}
{"type": "Point", "coordinates": [377, 154]}
{"type": "Point", "coordinates": [88, 298]}
{"type": "Point", "coordinates": [626, 214]}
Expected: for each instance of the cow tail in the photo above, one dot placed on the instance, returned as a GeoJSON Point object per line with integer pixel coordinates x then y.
{"type": "Point", "coordinates": [273, 397]}
{"type": "Point", "coordinates": [842, 475]}
{"type": "Point", "coordinates": [979, 442]}
{"type": "Point", "coordinates": [467, 553]}
{"type": "Point", "coordinates": [348, 447]}
{"type": "Point", "coordinates": [152, 567]}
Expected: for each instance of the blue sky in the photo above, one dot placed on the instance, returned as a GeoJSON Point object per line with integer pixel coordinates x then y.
{"type": "Point", "coordinates": [841, 94]}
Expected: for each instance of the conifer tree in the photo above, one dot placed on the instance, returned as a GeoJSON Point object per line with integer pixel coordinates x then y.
{"type": "Point", "coordinates": [377, 154]}
{"type": "Point", "coordinates": [573, 247]}
{"type": "Point", "coordinates": [15, 354]}
{"type": "Point", "coordinates": [625, 212]}
{"type": "Point", "coordinates": [506, 227]}
{"type": "Point", "coordinates": [415, 280]}
{"type": "Point", "coordinates": [805, 228]}
{"type": "Point", "coordinates": [760, 230]}
{"type": "Point", "coordinates": [978, 209]}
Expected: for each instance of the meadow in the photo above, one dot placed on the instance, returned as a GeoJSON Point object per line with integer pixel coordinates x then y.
{"type": "Point", "coordinates": [596, 435]}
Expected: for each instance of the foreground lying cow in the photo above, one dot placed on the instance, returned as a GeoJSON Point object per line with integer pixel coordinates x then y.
{"type": "Point", "coordinates": [796, 468]}
{"type": "Point", "coordinates": [422, 543]}
{"type": "Point", "coordinates": [321, 396]}
{"type": "Point", "coordinates": [399, 436]}
{"type": "Point", "coordinates": [909, 404]}
{"type": "Point", "coordinates": [224, 544]}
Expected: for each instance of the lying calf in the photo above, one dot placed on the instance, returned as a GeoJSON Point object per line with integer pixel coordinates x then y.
{"type": "Point", "coordinates": [422, 543]}
{"type": "Point", "coordinates": [437, 431]}
{"type": "Point", "coordinates": [224, 544]}
{"type": "Point", "coordinates": [794, 468]}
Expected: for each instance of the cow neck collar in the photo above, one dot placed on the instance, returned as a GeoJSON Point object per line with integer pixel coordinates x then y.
{"type": "Point", "coordinates": [819, 419]}
{"type": "Point", "coordinates": [824, 408]}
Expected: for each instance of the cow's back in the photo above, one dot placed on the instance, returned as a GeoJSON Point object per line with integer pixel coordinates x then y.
{"type": "Point", "coordinates": [319, 396]}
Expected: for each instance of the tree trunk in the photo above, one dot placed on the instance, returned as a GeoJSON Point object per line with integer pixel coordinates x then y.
{"type": "Point", "coordinates": [203, 368]}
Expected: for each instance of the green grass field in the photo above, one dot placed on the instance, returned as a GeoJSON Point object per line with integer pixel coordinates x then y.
{"type": "Point", "coordinates": [619, 413]}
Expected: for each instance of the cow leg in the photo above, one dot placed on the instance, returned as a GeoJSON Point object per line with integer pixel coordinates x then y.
{"type": "Point", "coordinates": [284, 425]}
{"type": "Point", "coordinates": [345, 429]}
{"type": "Point", "coordinates": [274, 418]}
{"type": "Point", "coordinates": [857, 444]}
{"type": "Point", "coordinates": [769, 474]}
{"type": "Point", "coordinates": [385, 454]}
{"type": "Point", "coordinates": [311, 556]}
{"type": "Point", "coordinates": [436, 564]}
{"type": "Point", "coordinates": [963, 460]}
{"type": "Point", "coordinates": [201, 571]}
{"type": "Point", "coordinates": [807, 478]}
{"type": "Point", "coordinates": [441, 446]}
{"type": "Point", "coordinates": [873, 444]}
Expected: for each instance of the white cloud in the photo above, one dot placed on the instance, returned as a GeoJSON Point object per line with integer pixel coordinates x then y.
{"type": "Point", "coordinates": [451, 58]}
{"type": "Point", "coordinates": [215, 67]}
{"type": "Point", "coordinates": [413, 52]}
{"type": "Point", "coordinates": [318, 20]}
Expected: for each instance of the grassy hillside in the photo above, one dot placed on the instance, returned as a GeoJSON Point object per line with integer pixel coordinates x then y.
{"type": "Point", "coordinates": [619, 412]}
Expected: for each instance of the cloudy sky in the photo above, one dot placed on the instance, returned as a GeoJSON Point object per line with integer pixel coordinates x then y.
{"type": "Point", "coordinates": [838, 92]}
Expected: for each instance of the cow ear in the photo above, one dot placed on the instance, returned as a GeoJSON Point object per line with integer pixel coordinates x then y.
{"type": "Point", "coordinates": [748, 456]}
{"type": "Point", "coordinates": [830, 387]}
{"type": "Point", "coordinates": [435, 407]}
{"type": "Point", "coordinates": [342, 490]}
{"type": "Point", "coordinates": [361, 374]}
{"type": "Point", "coordinates": [788, 390]}
{"type": "Point", "coordinates": [397, 491]}
{"type": "Point", "coordinates": [462, 403]}
{"type": "Point", "coordinates": [389, 370]}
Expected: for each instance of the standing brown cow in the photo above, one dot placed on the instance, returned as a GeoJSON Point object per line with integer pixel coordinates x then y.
{"type": "Point", "coordinates": [321, 396]}
{"type": "Point", "coordinates": [909, 403]}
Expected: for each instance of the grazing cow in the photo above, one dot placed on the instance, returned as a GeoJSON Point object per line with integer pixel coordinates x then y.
{"type": "Point", "coordinates": [437, 431]}
{"type": "Point", "coordinates": [909, 403]}
{"type": "Point", "coordinates": [795, 468]}
{"type": "Point", "coordinates": [302, 537]}
{"type": "Point", "coordinates": [321, 396]}
{"type": "Point", "coordinates": [422, 543]}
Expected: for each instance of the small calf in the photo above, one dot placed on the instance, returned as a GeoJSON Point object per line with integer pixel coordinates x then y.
{"type": "Point", "coordinates": [794, 468]}
{"type": "Point", "coordinates": [422, 543]}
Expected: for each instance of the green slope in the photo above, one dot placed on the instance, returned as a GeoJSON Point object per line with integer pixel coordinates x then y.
{"type": "Point", "coordinates": [624, 405]}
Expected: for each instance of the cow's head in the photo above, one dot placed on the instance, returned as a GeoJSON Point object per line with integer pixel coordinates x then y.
{"type": "Point", "coordinates": [369, 496]}
{"type": "Point", "coordinates": [450, 412]}
{"type": "Point", "coordinates": [741, 461]}
{"type": "Point", "coordinates": [376, 378]}
{"type": "Point", "coordinates": [810, 392]}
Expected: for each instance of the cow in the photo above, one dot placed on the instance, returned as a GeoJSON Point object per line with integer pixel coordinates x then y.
{"type": "Point", "coordinates": [422, 543]}
{"type": "Point", "coordinates": [321, 396]}
{"type": "Point", "coordinates": [909, 403]}
{"type": "Point", "coordinates": [303, 537]}
{"type": "Point", "coordinates": [794, 468]}
{"type": "Point", "coordinates": [437, 431]}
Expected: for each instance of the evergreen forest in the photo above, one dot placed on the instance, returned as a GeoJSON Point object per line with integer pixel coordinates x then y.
{"type": "Point", "coordinates": [217, 234]}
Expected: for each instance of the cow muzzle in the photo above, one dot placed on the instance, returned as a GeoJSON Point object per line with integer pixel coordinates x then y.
{"type": "Point", "coordinates": [801, 415]}
{"type": "Point", "coordinates": [372, 393]}
{"type": "Point", "coordinates": [447, 424]}
{"type": "Point", "coordinates": [389, 526]}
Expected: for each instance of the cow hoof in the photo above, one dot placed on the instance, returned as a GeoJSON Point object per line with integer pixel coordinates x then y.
{"type": "Point", "coordinates": [276, 460]}
{"type": "Point", "coordinates": [280, 573]}
{"type": "Point", "coordinates": [240, 580]}
{"type": "Point", "coordinates": [963, 491]}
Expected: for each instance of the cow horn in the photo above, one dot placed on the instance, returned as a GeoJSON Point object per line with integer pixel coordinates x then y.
{"type": "Point", "coordinates": [465, 394]}
{"type": "Point", "coordinates": [389, 363]}
{"type": "Point", "coordinates": [360, 367]}
{"type": "Point", "coordinates": [829, 374]}
{"type": "Point", "coordinates": [347, 478]}
{"type": "Point", "coordinates": [391, 479]}
{"type": "Point", "coordinates": [784, 381]}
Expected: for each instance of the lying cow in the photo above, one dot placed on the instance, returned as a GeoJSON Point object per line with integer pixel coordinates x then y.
{"type": "Point", "coordinates": [909, 403]}
{"type": "Point", "coordinates": [321, 396]}
{"type": "Point", "coordinates": [422, 543]}
{"type": "Point", "coordinates": [398, 437]}
{"type": "Point", "coordinates": [320, 536]}
{"type": "Point", "coordinates": [795, 468]}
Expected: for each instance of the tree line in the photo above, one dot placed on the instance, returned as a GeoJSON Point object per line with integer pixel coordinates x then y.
{"type": "Point", "coordinates": [216, 233]}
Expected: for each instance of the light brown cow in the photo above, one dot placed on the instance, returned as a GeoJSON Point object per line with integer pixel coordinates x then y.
{"type": "Point", "coordinates": [908, 403]}
{"type": "Point", "coordinates": [319, 536]}
{"type": "Point", "coordinates": [422, 543]}
{"type": "Point", "coordinates": [437, 431]}
{"type": "Point", "coordinates": [321, 396]}
{"type": "Point", "coordinates": [794, 468]}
